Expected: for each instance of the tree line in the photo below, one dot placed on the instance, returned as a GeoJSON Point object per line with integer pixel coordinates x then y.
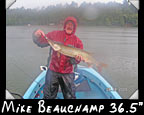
{"type": "Point", "coordinates": [101, 14]}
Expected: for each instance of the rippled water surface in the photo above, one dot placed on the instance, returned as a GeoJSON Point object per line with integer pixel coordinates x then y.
{"type": "Point", "coordinates": [115, 46]}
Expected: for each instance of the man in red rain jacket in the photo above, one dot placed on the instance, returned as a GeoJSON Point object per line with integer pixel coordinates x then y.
{"type": "Point", "coordinates": [60, 70]}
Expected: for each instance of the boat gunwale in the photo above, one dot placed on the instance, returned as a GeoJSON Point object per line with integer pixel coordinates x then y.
{"type": "Point", "coordinates": [88, 73]}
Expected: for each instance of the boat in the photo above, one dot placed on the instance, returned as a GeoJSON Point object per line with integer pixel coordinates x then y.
{"type": "Point", "coordinates": [89, 85]}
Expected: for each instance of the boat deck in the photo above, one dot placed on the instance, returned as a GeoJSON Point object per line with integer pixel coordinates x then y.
{"type": "Point", "coordinates": [89, 85]}
{"type": "Point", "coordinates": [83, 91]}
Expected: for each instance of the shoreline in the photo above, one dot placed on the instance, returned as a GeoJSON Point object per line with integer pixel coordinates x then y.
{"type": "Point", "coordinates": [78, 26]}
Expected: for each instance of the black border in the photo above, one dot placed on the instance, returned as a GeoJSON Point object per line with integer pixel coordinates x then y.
{"type": "Point", "coordinates": [3, 48]}
{"type": "Point", "coordinates": [105, 102]}
{"type": "Point", "coordinates": [140, 50]}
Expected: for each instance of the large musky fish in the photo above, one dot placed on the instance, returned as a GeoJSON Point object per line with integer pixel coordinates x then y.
{"type": "Point", "coordinates": [73, 52]}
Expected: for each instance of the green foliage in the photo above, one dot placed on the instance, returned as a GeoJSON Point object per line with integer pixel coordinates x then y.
{"type": "Point", "coordinates": [110, 14]}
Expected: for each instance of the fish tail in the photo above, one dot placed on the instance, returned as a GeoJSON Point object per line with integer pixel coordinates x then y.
{"type": "Point", "coordinates": [103, 65]}
{"type": "Point", "coordinates": [89, 65]}
{"type": "Point", "coordinates": [100, 66]}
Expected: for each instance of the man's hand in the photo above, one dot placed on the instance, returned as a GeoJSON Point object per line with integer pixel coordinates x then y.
{"type": "Point", "coordinates": [79, 58]}
{"type": "Point", "coordinates": [38, 33]}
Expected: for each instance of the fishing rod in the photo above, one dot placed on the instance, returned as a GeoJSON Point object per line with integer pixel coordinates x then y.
{"type": "Point", "coordinates": [27, 74]}
{"type": "Point", "coordinates": [9, 94]}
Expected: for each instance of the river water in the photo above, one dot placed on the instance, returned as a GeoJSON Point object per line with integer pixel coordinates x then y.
{"type": "Point", "coordinates": [115, 46]}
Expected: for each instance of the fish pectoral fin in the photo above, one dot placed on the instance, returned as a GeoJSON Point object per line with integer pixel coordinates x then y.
{"type": "Point", "coordinates": [56, 47]}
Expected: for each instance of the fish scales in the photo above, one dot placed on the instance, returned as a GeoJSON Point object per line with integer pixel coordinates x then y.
{"type": "Point", "coordinates": [72, 52]}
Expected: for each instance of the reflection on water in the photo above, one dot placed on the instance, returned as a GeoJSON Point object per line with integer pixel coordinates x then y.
{"type": "Point", "coordinates": [117, 47]}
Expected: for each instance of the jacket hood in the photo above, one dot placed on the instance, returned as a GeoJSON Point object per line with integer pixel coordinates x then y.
{"type": "Point", "coordinates": [70, 18]}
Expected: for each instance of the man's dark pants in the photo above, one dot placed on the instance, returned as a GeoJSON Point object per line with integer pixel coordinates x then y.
{"type": "Point", "coordinates": [52, 82]}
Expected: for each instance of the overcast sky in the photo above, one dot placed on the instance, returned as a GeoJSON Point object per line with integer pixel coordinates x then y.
{"type": "Point", "coordinates": [45, 3]}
